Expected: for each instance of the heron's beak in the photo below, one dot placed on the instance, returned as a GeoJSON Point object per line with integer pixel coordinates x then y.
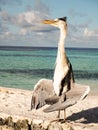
{"type": "Point", "coordinates": [48, 22]}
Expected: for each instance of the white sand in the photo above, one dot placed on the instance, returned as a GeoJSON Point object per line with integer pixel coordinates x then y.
{"type": "Point", "coordinates": [16, 103]}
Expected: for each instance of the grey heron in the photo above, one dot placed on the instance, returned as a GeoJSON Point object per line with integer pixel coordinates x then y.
{"type": "Point", "coordinates": [62, 92]}
{"type": "Point", "coordinates": [64, 84]}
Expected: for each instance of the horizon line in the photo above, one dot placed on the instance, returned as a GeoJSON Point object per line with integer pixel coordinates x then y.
{"type": "Point", "coordinates": [44, 47]}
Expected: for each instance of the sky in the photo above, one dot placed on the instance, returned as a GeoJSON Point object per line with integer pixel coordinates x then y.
{"type": "Point", "coordinates": [20, 22]}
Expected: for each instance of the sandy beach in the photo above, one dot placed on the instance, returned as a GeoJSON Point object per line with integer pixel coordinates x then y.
{"type": "Point", "coordinates": [16, 103]}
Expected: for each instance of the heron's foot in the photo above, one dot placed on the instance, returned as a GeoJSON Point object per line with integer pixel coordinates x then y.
{"type": "Point", "coordinates": [61, 120]}
{"type": "Point", "coordinates": [56, 120]}
{"type": "Point", "coordinates": [65, 121]}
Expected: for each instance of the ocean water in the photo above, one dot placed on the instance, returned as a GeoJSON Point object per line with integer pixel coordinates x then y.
{"type": "Point", "coordinates": [22, 67]}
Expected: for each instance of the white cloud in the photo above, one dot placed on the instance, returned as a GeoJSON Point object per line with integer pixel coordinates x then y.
{"type": "Point", "coordinates": [23, 31]}
{"type": "Point", "coordinates": [28, 29]}
{"type": "Point", "coordinates": [90, 33]}
{"type": "Point", "coordinates": [25, 26]}
{"type": "Point", "coordinates": [82, 36]}
{"type": "Point", "coordinates": [29, 20]}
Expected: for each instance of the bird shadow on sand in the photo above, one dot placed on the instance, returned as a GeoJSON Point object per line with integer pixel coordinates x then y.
{"type": "Point", "coordinates": [88, 116]}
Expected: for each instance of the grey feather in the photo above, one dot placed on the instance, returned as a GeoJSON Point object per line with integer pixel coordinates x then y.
{"type": "Point", "coordinates": [42, 90]}
{"type": "Point", "coordinates": [52, 100]}
{"type": "Point", "coordinates": [79, 92]}
{"type": "Point", "coordinates": [60, 106]}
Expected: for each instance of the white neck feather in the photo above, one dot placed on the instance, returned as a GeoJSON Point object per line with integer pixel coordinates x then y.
{"type": "Point", "coordinates": [61, 50]}
{"type": "Point", "coordinates": [61, 63]}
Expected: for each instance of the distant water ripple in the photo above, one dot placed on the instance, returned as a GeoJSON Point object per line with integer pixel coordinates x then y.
{"type": "Point", "coordinates": [49, 73]}
{"type": "Point", "coordinates": [22, 55]}
{"type": "Point", "coordinates": [22, 67]}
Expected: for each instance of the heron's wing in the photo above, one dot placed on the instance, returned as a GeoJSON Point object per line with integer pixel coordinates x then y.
{"type": "Point", "coordinates": [42, 90]}
{"type": "Point", "coordinates": [38, 100]}
{"type": "Point", "coordinates": [60, 106]}
{"type": "Point", "coordinates": [79, 92]}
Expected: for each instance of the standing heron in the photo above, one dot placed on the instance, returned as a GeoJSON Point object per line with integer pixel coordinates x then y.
{"type": "Point", "coordinates": [63, 78]}
{"type": "Point", "coordinates": [65, 88]}
{"type": "Point", "coordinates": [62, 92]}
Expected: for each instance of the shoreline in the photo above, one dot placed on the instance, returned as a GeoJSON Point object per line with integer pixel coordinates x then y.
{"type": "Point", "coordinates": [16, 103]}
{"type": "Point", "coordinates": [93, 91]}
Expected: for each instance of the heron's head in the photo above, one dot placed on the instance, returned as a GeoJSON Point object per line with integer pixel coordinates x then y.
{"type": "Point", "coordinates": [59, 23]}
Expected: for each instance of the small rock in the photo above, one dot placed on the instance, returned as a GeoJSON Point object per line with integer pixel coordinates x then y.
{"type": "Point", "coordinates": [2, 121]}
{"type": "Point", "coordinates": [55, 126]}
{"type": "Point", "coordinates": [36, 127]}
{"type": "Point", "coordinates": [9, 121]}
{"type": "Point", "coordinates": [21, 124]}
{"type": "Point", "coordinates": [67, 126]}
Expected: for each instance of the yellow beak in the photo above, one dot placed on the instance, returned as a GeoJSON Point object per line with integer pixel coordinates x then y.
{"type": "Point", "coordinates": [48, 21]}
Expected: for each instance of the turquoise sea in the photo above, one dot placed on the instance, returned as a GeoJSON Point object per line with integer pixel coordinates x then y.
{"type": "Point", "coordinates": [22, 67]}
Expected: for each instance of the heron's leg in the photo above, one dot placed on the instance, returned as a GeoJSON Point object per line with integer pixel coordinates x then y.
{"type": "Point", "coordinates": [58, 114]}
{"type": "Point", "coordinates": [64, 114]}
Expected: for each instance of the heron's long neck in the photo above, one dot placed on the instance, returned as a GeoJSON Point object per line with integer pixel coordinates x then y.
{"type": "Point", "coordinates": [61, 56]}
